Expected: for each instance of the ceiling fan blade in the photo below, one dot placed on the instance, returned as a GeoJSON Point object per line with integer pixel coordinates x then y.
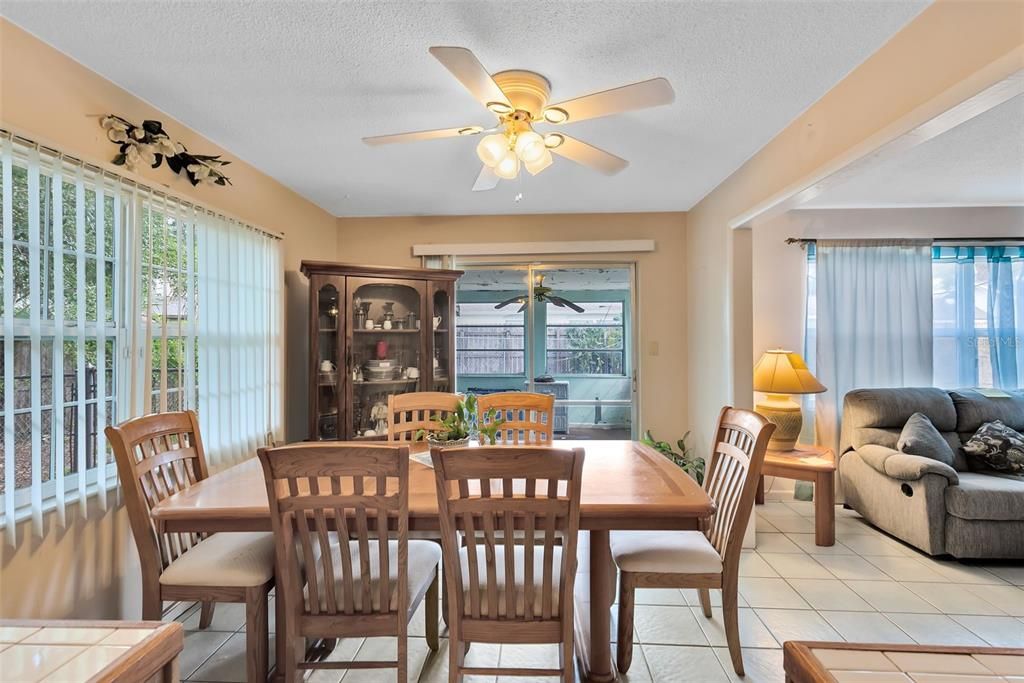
{"type": "Point", "coordinates": [487, 180]}
{"type": "Point", "coordinates": [471, 73]}
{"type": "Point", "coordinates": [588, 155]}
{"type": "Point", "coordinates": [418, 135]}
{"type": "Point", "coordinates": [513, 300]}
{"type": "Point", "coordinates": [565, 303]}
{"type": "Point", "coordinates": [642, 95]}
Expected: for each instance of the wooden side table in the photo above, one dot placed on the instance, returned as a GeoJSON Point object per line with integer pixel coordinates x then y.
{"type": "Point", "coordinates": [821, 662]}
{"type": "Point", "coordinates": [93, 651]}
{"type": "Point", "coordinates": [807, 463]}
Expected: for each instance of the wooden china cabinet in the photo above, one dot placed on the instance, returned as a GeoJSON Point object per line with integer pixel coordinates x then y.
{"type": "Point", "coordinates": [375, 331]}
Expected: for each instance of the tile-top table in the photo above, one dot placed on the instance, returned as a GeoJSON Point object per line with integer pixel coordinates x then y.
{"type": "Point", "coordinates": [821, 662]}
{"type": "Point", "coordinates": [94, 651]}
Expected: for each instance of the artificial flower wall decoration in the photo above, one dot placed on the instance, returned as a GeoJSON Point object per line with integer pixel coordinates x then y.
{"type": "Point", "coordinates": [150, 144]}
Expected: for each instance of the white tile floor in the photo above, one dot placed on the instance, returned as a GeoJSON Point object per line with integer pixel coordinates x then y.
{"type": "Point", "coordinates": [868, 587]}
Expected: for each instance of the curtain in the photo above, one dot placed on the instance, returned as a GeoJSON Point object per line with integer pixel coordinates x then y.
{"type": "Point", "coordinates": [874, 321]}
{"type": "Point", "coordinates": [119, 301]}
{"type": "Point", "coordinates": [979, 316]}
{"type": "Point", "coordinates": [240, 340]}
{"type": "Point", "coordinates": [1003, 331]}
{"type": "Point", "coordinates": [207, 307]}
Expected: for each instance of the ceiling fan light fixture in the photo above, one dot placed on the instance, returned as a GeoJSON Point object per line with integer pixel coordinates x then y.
{"type": "Point", "coordinates": [552, 140]}
{"type": "Point", "coordinates": [492, 149]}
{"type": "Point", "coordinates": [508, 167]}
{"type": "Point", "coordinates": [471, 130]}
{"type": "Point", "coordinates": [499, 108]}
{"type": "Point", "coordinates": [538, 165]}
{"type": "Point", "coordinates": [556, 115]}
{"type": "Point", "coordinates": [529, 146]}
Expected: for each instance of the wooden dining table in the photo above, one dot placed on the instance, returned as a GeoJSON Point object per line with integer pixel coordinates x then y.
{"type": "Point", "coordinates": [626, 485]}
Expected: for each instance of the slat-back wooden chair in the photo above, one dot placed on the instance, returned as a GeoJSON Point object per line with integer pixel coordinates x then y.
{"type": "Point", "coordinates": [340, 515]}
{"type": "Point", "coordinates": [409, 413]}
{"type": "Point", "coordinates": [703, 559]}
{"type": "Point", "coordinates": [529, 418]}
{"type": "Point", "coordinates": [501, 591]}
{"type": "Point", "coordinates": [157, 456]}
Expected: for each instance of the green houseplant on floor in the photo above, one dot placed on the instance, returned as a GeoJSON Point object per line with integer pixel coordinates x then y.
{"type": "Point", "coordinates": [684, 458]}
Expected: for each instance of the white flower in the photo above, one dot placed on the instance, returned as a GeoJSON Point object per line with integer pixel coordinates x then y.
{"type": "Point", "coordinates": [132, 157]}
{"type": "Point", "coordinates": [117, 135]}
{"type": "Point", "coordinates": [165, 146]}
{"type": "Point", "coordinates": [138, 133]}
{"type": "Point", "coordinates": [113, 123]}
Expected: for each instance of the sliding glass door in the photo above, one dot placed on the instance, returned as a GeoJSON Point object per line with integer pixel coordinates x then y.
{"type": "Point", "coordinates": [563, 329]}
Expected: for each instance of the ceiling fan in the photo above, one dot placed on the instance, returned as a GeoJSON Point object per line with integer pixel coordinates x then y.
{"type": "Point", "coordinates": [519, 99]}
{"type": "Point", "coordinates": [541, 294]}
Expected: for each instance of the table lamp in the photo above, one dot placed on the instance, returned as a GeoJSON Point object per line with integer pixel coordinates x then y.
{"type": "Point", "coordinates": [779, 374]}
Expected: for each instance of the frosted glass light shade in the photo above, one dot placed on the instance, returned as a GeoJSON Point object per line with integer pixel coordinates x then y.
{"type": "Point", "coordinates": [492, 149]}
{"type": "Point", "coordinates": [530, 146]}
{"type": "Point", "coordinates": [508, 167]}
{"type": "Point", "coordinates": [535, 167]}
{"type": "Point", "coordinates": [784, 372]}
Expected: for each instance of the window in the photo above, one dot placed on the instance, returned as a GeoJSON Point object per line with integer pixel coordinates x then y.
{"type": "Point", "coordinates": [588, 343]}
{"type": "Point", "coordinates": [61, 227]}
{"type": "Point", "coordinates": [977, 316]}
{"type": "Point", "coordinates": [101, 284]}
{"type": "Point", "coordinates": [489, 341]}
{"type": "Point", "coordinates": [978, 310]}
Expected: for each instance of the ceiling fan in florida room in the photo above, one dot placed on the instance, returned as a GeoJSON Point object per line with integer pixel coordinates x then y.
{"type": "Point", "coordinates": [520, 99]}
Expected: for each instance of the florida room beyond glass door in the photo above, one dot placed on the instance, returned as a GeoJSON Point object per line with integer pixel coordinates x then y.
{"type": "Point", "coordinates": [565, 330]}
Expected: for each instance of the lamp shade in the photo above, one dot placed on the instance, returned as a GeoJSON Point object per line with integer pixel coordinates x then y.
{"type": "Point", "coordinates": [784, 372]}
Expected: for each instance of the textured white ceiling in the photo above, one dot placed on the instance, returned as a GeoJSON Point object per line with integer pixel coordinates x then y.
{"type": "Point", "coordinates": [978, 163]}
{"type": "Point", "coordinates": [291, 87]}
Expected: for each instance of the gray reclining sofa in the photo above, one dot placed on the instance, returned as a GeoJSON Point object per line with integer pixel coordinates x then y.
{"type": "Point", "coordinates": [960, 510]}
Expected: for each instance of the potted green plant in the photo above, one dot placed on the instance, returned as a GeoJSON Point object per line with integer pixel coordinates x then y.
{"type": "Point", "coordinates": [455, 429]}
{"type": "Point", "coordinates": [686, 459]}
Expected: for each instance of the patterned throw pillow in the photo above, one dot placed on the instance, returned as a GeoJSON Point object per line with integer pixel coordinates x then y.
{"type": "Point", "coordinates": [998, 447]}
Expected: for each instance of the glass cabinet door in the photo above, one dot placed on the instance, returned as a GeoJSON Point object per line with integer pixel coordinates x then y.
{"type": "Point", "coordinates": [387, 351]}
{"type": "Point", "coordinates": [442, 348]}
{"type": "Point", "coordinates": [328, 326]}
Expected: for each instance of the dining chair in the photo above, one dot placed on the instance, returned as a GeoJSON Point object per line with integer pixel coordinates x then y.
{"type": "Point", "coordinates": [409, 413]}
{"type": "Point", "coordinates": [529, 418]}
{"type": "Point", "coordinates": [704, 559]}
{"type": "Point", "coordinates": [501, 591]}
{"type": "Point", "coordinates": [158, 456]}
{"type": "Point", "coordinates": [340, 514]}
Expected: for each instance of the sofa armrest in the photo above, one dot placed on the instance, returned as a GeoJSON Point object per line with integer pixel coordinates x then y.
{"type": "Point", "coordinates": [893, 463]}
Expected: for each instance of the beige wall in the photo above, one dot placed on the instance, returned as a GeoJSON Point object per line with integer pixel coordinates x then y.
{"type": "Point", "coordinates": [946, 44]}
{"type": "Point", "coordinates": [46, 96]}
{"type": "Point", "coordinates": [660, 274]}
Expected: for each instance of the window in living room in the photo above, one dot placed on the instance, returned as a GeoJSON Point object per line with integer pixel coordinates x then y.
{"type": "Point", "coordinates": [977, 315]}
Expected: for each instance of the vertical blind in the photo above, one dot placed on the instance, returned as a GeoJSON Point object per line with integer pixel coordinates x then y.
{"type": "Point", "coordinates": [119, 301]}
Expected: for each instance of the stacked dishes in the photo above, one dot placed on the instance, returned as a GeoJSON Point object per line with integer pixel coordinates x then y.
{"type": "Point", "coordinates": [381, 370]}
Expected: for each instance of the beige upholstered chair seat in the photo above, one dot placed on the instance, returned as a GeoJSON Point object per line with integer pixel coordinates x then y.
{"type": "Point", "coordinates": [227, 559]}
{"type": "Point", "coordinates": [424, 557]}
{"type": "Point", "coordinates": [665, 552]}
{"type": "Point", "coordinates": [519, 553]}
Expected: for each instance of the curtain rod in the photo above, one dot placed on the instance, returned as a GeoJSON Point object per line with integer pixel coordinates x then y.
{"type": "Point", "coordinates": [803, 241]}
{"type": "Point", "coordinates": [131, 182]}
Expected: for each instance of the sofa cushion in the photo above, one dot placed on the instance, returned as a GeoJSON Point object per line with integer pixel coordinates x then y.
{"type": "Point", "coordinates": [981, 496]}
{"type": "Point", "coordinates": [998, 447]}
{"type": "Point", "coordinates": [973, 410]}
{"type": "Point", "coordinates": [920, 437]}
{"type": "Point", "coordinates": [877, 416]}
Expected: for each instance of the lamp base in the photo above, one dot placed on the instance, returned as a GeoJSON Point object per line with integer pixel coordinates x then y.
{"type": "Point", "coordinates": [783, 412]}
